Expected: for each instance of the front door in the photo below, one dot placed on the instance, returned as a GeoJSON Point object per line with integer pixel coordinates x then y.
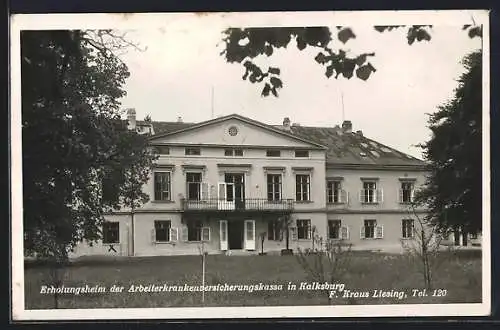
{"type": "Point", "coordinates": [249, 234]}
{"type": "Point", "coordinates": [235, 230]}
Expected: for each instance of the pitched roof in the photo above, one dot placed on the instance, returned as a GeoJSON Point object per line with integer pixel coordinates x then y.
{"type": "Point", "coordinates": [342, 148]}
{"type": "Point", "coordinates": [238, 117]}
{"type": "Point", "coordinates": [354, 148]}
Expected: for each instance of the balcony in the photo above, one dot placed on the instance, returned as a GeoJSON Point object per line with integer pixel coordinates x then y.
{"type": "Point", "coordinates": [247, 205]}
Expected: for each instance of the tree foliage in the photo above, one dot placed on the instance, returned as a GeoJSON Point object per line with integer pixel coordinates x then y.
{"type": "Point", "coordinates": [79, 159]}
{"type": "Point", "coordinates": [453, 191]}
{"type": "Point", "coordinates": [243, 45]}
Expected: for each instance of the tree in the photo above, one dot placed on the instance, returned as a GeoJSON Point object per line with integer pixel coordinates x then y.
{"type": "Point", "coordinates": [424, 247]}
{"type": "Point", "coordinates": [79, 159]}
{"type": "Point", "coordinates": [283, 225]}
{"type": "Point", "coordinates": [453, 189]}
{"type": "Point", "coordinates": [244, 45]}
{"type": "Point", "coordinates": [328, 264]}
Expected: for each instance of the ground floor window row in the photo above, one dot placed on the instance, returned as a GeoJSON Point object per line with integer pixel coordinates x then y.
{"type": "Point", "coordinates": [336, 230]}
{"type": "Point", "coordinates": [301, 229]}
{"type": "Point", "coordinates": [245, 231]}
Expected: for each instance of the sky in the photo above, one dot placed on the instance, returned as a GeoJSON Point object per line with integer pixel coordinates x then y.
{"type": "Point", "coordinates": [175, 75]}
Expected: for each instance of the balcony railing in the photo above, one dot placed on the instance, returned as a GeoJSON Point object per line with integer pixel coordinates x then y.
{"type": "Point", "coordinates": [248, 204]}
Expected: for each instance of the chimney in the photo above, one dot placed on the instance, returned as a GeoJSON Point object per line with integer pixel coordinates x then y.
{"type": "Point", "coordinates": [360, 133]}
{"type": "Point", "coordinates": [286, 124]}
{"type": "Point", "coordinates": [347, 126]}
{"type": "Point", "coordinates": [179, 119]}
{"type": "Point", "coordinates": [131, 119]}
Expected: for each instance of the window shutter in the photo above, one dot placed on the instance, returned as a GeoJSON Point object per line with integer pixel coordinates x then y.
{"type": "Point", "coordinates": [293, 233]}
{"type": "Point", "coordinates": [153, 236]}
{"type": "Point", "coordinates": [379, 231]}
{"type": "Point", "coordinates": [362, 232]}
{"type": "Point", "coordinates": [380, 196]}
{"type": "Point", "coordinates": [174, 235]}
{"type": "Point", "coordinates": [361, 195]}
{"type": "Point", "coordinates": [204, 191]}
{"type": "Point", "coordinates": [184, 234]}
{"type": "Point", "coordinates": [400, 194]}
{"type": "Point", "coordinates": [344, 232]}
{"type": "Point", "coordinates": [346, 197]}
{"type": "Point", "coordinates": [205, 234]}
{"type": "Point", "coordinates": [412, 194]}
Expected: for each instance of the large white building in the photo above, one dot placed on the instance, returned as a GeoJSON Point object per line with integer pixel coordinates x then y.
{"type": "Point", "coordinates": [223, 183]}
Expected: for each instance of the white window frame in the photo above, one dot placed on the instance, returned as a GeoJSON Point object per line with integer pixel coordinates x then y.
{"type": "Point", "coordinates": [309, 229]}
{"type": "Point", "coordinates": [377, 195]}
{"type": "Point", "coordinates": [118, 232]}
{"type": "Point", "coordinates": [277, 232]}
{"type": "Point", "coordinates": [404, 230]}
{"type": "Point", "coordinates": [155, 237]}
{"type": "Point", "coordinates": [342, 195]}
{"type": "Point", "coordinates": [274, 185]}
{"type": "Point", "coordinates": [401, 191]}
{"type": "Point", "coordinates": [203, 228]}
{"type": "Point", "coordinates": [169, 188]}
{"type": "Point", "coordinates": [378, 230]}
{"type": "Point", "coordinates": [192, 182]}
{"type": "Point", "coordinates": [328, 229]}
{"type": "Point", "coordinates": [300, 186]}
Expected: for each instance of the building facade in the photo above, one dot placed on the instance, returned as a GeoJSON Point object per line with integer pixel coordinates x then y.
{"type": "Point", "coordinates": [229, 183]}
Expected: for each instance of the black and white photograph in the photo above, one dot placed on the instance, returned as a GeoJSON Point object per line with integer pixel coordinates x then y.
{"type": "Point", "coordinates": [250, 165]}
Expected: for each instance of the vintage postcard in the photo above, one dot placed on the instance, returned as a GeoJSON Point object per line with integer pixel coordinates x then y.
{"type": "Point", "coordinates": [241, 165]}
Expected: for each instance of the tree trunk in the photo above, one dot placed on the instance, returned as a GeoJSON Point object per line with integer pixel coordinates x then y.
{"type": "Point", "coordinates": [287, 238]}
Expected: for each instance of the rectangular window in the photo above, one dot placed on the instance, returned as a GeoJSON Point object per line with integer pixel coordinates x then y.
{"type": "Point", "coordinates": [162, 230]}
{"type": "Point", "coordinates": [162, 186]}
{"type": "Point", "coordinates": [369, 192]}
{"type": "Point", "coordinates": [274, 187]}
{"type": "Point", "coordinates": [192, 151]}
{"type": "Point", "coordinates": [193, 182]}
{"type": "Point", "coordinates": [301, 153]}
{"type": "Point", "coordinates": [233, 152]}
{"type": "Point", "coordinates": [273, 230]}
{"type": "Point", "coordinates": [273, 153]}
{"type": "Point", "coordinates": [406, 193]}
{"type": "Point", "coordinates": [334, 191]}
{"type": "Point", "coordinates": [334, 229]}
{"type": "Point", "coordinates": [407, 226]}
{"type": "Point", "coordinates": [162, 150]}
{"type": "Point", "coordinates": [302, 187]}
{"type": "Point", "coordinates": [111, 232]}
{"type": "Point", "coordinates": [304, 229]}
{"type": "Point", "coordinates": [194, 230]}
{"type": "Point", "coordinates": [369, 228]}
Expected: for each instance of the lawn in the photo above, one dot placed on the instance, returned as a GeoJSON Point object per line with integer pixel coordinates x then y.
{"type": "Point", "coordinates": [459, 275]}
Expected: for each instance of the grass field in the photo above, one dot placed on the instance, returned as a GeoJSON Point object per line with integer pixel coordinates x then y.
{"type": "Point", "coordinates": [459, 275]}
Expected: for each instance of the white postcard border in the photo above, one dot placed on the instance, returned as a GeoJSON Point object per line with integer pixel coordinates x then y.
{"type": "Point", "coordinates": [224, 20]}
